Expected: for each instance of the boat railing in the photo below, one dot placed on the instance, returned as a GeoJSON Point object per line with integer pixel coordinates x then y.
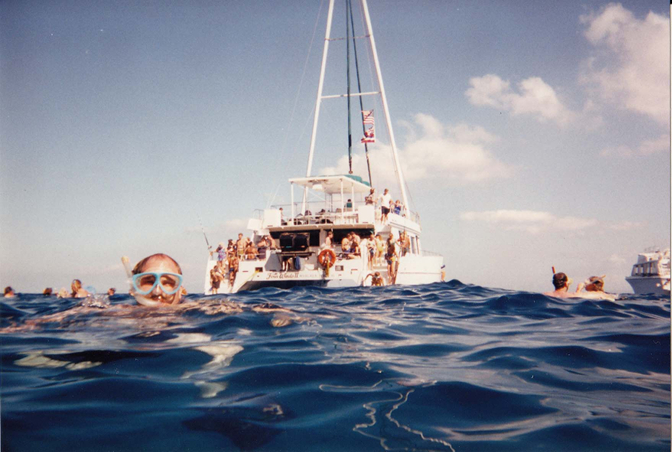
{"type": "Point", "coordinates": [430, 253]}
{"type": "Point", "coordinates": [318, 213]}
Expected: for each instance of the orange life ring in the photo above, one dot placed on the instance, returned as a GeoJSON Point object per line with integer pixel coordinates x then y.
{"type": "Point", "coordinates": [326, 258]}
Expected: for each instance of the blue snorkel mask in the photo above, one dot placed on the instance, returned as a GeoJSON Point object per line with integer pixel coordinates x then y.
{"type": "Point", "coordinates": [145, 283]}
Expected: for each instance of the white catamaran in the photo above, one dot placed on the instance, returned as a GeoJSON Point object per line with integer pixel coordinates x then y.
{"type": "Point", "coordinates": [300, 254]}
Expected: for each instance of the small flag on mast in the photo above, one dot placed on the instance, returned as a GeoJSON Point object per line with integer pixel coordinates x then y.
{"type": "Point", "coordinates": [369, 134]}
{"type": "Point", "coordinates": [367, 116]}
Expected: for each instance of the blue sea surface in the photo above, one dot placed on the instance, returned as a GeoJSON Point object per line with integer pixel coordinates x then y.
{"type": "Point", "coordinates": [442, 367]}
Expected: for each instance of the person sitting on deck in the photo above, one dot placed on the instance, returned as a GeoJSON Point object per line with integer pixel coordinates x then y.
{"type": "Point", "coordinates": [345, 246]}
{"type": "Point", "coordinates": [328, 240]}
{"type": "Point", "coordinates": [354, 247]}
{"type": "Point", "coordinates": [397, 207]}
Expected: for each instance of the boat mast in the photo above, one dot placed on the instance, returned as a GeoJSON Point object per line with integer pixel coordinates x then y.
{"type": "Point", "coordinates": [397, 166]}
{"type": "Point", "coordinates": [320, 87]}
{"type": "Point", "coordinates": [383, 97]}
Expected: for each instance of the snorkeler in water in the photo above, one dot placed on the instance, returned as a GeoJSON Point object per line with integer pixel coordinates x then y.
{"type": "Point", "coordinates": [156, 280]}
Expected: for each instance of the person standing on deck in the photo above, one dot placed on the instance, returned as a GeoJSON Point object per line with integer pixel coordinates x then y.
{"type": "Point", "coordinates": [392, 258]}
{"type": "Point", "coordinates": [240, 246]}
{"type": "Point", "coordinates": [385, 201]}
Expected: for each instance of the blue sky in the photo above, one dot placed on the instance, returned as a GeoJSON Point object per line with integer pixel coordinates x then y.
{"type": "Point", "coordinates": [532, 134]}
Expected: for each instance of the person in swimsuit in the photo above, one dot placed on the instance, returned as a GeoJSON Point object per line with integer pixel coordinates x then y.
{"type": "Point", "coordinates": [77, 290]}
{"type": "Point", "coordinates": [380, 249]}
{"type": "Point", "coordinates": [240, 246]}
{"type": "Point", "coordinates": [371, 250]}
{"type": "Point", "coordinates": [392, 258]}
{"type": "Point", "coordinates": [216, 277]}
{"type": "Point", "coordinates": [376, 279]}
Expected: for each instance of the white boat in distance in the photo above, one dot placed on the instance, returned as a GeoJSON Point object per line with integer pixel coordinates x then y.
{"type": "Point", "coordinates": [651, 273]}
{"type": "Point", "coordinates": [299, 234]}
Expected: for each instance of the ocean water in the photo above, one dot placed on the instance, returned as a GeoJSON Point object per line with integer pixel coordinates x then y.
{"type": "Point", "coordinates": [445, 367]}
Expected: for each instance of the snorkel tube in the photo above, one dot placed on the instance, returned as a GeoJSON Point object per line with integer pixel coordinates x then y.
{"type": "Point", "coordinates": [139, 298]}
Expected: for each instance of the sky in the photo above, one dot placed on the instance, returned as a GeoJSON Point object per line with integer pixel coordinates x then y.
{"type": "Point", "coordinates": [532, 134]}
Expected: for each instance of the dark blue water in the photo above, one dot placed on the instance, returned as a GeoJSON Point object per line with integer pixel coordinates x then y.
{"type": "Point", "coordinates": [445, 367]}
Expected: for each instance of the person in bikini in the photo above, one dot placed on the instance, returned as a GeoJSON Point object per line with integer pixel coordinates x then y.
{"type": "Point", "coordinates": [392, 259]}
{"type": "Point", "coordinates": [380, 249]}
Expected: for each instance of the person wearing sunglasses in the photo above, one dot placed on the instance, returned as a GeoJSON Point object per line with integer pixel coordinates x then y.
{"type": "Point", "coordinates": [157, 280]}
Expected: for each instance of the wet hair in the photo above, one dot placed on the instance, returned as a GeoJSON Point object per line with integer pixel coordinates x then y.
{"type": "Point", "coordinates": [140, 266]}
{"type": "Point", "coordinates": [46, 292]}
{"type": "Point", "coordinates": [559, 280]}
{"type": "Point", "coordinates": [596, 284]}
{"type": "Point", "coordinates": [8, 289]}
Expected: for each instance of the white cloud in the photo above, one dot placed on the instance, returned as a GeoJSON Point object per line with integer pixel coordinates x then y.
{"type": "Point", "coordinates": [616, 259]}
{"type": "Point", "coordinates": [533, 222]}
{"type": "Point", "coordinates": [630, 68]}
{"type": "Point", "coordinates": [647, 147]}
{"type": "Point", "coordinates": [451, 154]}
{"type": "Point", "coordinates": [534, 97]}
{"type": "Point", "coordinates": [626, 225]}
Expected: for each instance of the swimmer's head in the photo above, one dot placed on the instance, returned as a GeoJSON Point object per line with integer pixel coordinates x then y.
{"type": "Point", "coordinates": [9, 291]}
{"type": "Point", "coordinates": [560, 280]}
{"type": "Point", "coordinates": [595, 284]}
{"type": "Point", "coordinates": [157, 280]}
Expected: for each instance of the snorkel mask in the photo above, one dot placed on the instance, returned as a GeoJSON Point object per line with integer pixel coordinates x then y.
{"type": "Point", "coordinates": [143, 284]}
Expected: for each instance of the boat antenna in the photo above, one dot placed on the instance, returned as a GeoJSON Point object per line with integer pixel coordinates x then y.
{"type": "Point", "coordinates": [361, 103]}
{"type": "Point", "coordinates": [205, 236]}
{"type": "Point", "coordinates": [348, 13]}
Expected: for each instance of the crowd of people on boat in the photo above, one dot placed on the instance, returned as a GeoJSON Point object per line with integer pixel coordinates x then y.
{"type": "Point", "coordinates": [230, 255]}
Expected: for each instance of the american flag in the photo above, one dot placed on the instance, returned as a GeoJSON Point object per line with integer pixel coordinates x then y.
{"type": "Point", "coordinates": [369, 136]}
{"type": "Point", "coordinates": [367, 116]}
